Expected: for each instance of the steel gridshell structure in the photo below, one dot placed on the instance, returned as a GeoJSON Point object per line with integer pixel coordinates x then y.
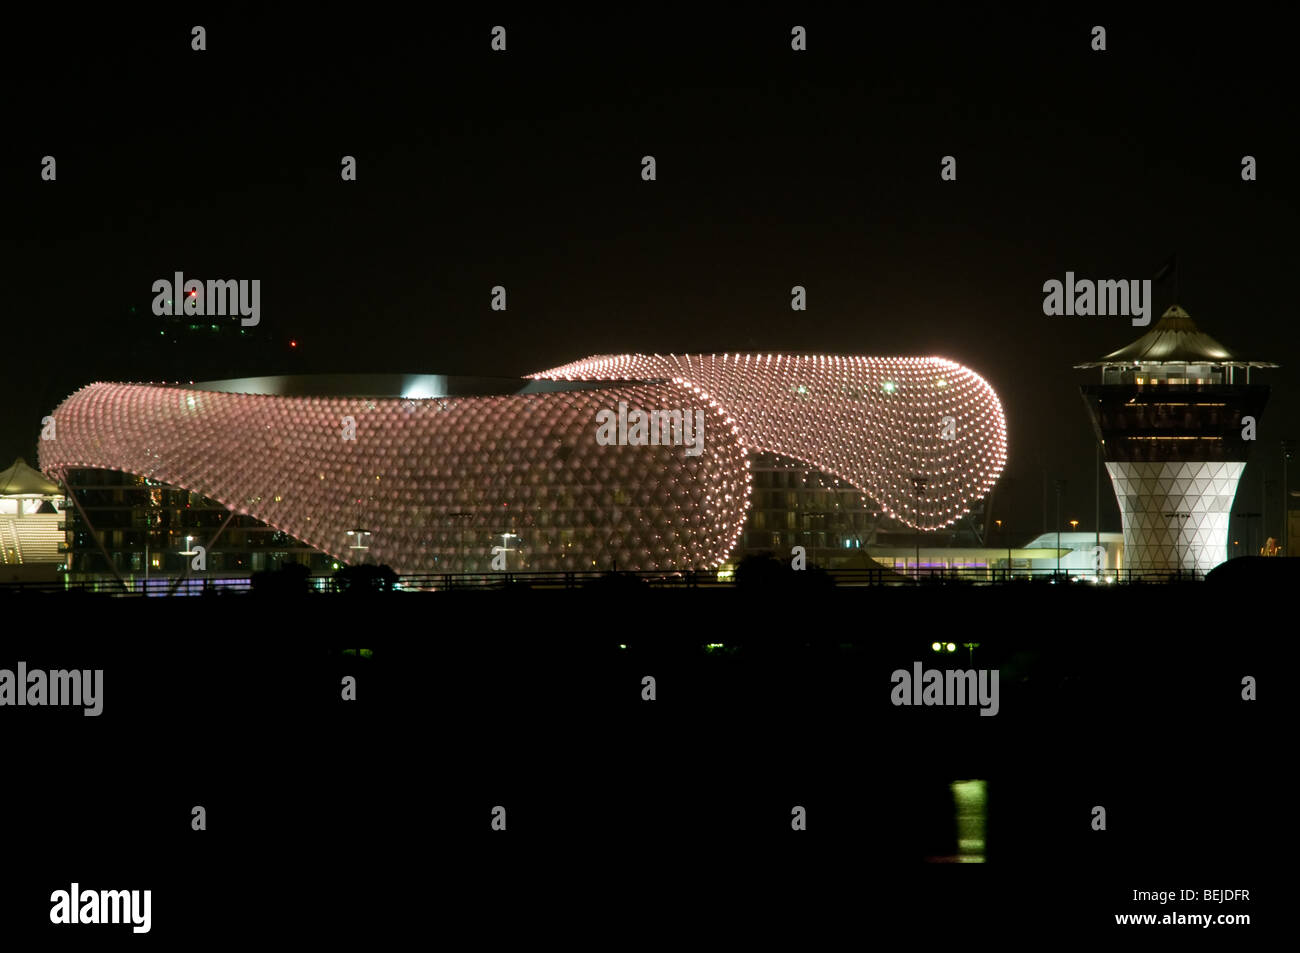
{"type": "Point", "coordinates": [922, 436]}
{"type": "Point", "coordinates": [436, 483]}
{"type": "Point", "coordinates": [440, 483]}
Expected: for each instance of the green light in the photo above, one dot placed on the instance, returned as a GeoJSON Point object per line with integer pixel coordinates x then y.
{"type": "Point", "coordinates": [889, 387]}
{"type": "Point", "coordinates": [935, 646]}
{"type": "Point", "coordinates": [622, 646]}
{"type": "Point", "coordinates": [971, 801]}
{"type": "Point", "coordinates": [952, 647]}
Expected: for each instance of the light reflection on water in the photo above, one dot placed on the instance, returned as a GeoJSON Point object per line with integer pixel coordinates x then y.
{"type": "Point", "coordinates": [969, 819]}
{"type": "Point", "coordinates": [971, 800]}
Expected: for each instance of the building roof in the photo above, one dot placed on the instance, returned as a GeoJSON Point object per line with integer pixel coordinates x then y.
{"type": "Point", "coordinates": [22, 480]}
{"type": "Point", "coordinates": [877, 423]}
{"type": "Point", "coordinates": [1074, 539]}
{"type": "Point", "coordinates": [1175, 339]}
{"type": "Point", "coordinates": [543, 462]}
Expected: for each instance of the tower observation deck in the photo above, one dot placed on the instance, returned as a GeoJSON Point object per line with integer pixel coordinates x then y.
{"type": "Point", "coordinates": [1176, 414]}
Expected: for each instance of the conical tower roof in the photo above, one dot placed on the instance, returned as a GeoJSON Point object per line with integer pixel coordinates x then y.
{"type": "Point", "coordinates": [1174, 339]}
{"type": "Point", "coordinates": [22, 480]}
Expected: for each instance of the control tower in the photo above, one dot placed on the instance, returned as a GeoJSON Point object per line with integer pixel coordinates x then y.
{"type": "Point", "coordinates": [1176, 415]}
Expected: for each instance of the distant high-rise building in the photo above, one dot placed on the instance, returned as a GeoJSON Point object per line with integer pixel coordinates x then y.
{"type": "Point", "coordinates": [1176, 415]}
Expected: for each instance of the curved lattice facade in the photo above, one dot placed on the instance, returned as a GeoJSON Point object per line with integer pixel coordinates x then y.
{"type": "Point", "coordinates": [437, 484]}
{"type": "Point", "coordinates": [531, 480]}
{"type": "Point", "coordinates": [924, 437]}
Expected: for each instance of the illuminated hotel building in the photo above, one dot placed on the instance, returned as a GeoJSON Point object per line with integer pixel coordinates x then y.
{"type": "Point", "coordinates": [1170, 412]}
{"type": "Point", "coordinates": [439, 471]}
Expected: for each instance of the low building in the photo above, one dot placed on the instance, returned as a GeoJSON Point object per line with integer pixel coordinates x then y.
{"type": "Point", "coordinates": [31, 525]}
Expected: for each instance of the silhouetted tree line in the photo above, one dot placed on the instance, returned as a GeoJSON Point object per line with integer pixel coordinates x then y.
{"type": "Point", "coordinates": [764, 571]}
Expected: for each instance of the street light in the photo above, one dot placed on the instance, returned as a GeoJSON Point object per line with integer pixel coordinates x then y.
{"type": "Point", "coordinates": [1288, 448]}
{"type": "Point", "coordinates": [1060, 485]}
{"type": "Point", "coordinates": [464, 558]}
{"type": "Point", "coordinates": [1249, 528]}
{"type": "Point", "coordinates": [998, 524]}
{"type": "Point", "coordinates": [810, 536]}
{"type": "Point", "coordinates": [918, 481]}
{"type": "Point", "coordinates": [505, 547]}
{"type": "Point", "coordinates": [1181, 516]}
{"type": "Point", "coordinates": [1008, 541]}
{"type": "Point", "coordinates": [360, 543]}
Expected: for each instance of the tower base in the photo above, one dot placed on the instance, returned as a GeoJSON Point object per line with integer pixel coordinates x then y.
{"type": "Point", "coordinates": [1175, 514]}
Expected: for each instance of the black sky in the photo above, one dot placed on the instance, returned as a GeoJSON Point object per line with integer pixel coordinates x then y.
{"type": "Point", "coordinates": [775, 168]}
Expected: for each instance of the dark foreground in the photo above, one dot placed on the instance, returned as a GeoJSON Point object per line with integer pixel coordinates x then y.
{"type": "Point", "coordinates": [373, 817]}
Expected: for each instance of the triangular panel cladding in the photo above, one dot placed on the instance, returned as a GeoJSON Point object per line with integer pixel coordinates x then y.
{"type": "Point", "coordinates": [1175, 515]}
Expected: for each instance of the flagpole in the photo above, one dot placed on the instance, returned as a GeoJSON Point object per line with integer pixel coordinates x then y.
{"type": "Point", "coordinates": [1163, 273]}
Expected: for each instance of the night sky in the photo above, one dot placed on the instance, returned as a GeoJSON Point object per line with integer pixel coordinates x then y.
{"type": "Point", "coordinates": [775, 168]}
